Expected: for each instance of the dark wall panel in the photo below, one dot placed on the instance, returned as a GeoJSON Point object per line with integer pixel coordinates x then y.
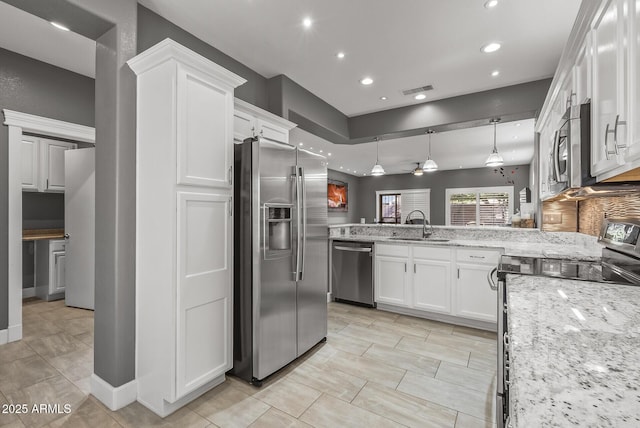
{"type": "Point", "coordinates": [33, 87]}
{"type": "Point", "coordinates": [438, 182]}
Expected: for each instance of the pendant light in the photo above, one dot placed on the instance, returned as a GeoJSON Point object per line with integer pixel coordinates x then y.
{"type": "Point", "coordinates": [417, 171]}
{"type": "Point", "coordinates": [377, 169]}
{"type": "Point", "coordinates": [494, 158]}
{"type": "Point", "coordinates": [430, 165]}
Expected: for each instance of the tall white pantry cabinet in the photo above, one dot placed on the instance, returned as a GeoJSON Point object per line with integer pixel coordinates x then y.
{"type": "Point", "coordinates": [184, 225]}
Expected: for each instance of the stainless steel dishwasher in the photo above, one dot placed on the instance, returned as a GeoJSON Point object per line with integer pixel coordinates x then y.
{"type": "Point", "coordinates": [352, 272]}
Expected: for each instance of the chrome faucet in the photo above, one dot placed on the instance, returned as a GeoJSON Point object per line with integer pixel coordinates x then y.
{"type": "Point", "coordinates": [425, 223]}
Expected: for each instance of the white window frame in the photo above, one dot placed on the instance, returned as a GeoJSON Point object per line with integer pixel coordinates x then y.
{"type": "Point", "coordinates": [401, 192]}
{"type": "Point", "coordinates": [477, 191]}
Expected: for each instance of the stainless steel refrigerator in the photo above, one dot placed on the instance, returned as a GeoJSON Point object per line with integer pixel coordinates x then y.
{"type": "Point", "coordinates": [281, 256]}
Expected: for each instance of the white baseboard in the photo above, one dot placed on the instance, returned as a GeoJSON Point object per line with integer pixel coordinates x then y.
{"type": "Point", "coordinates": [15, 332]}
{"type": "Point", "coordinates": [112, 397]}
{"type": "Point", "coordinates": [328, 297]}
{"type": "Point", "coordinates": [28, 292]}
{"type": "Point", "coordinates": [450, 319]}
{"type": "Point", "coordinates": [4, 336]}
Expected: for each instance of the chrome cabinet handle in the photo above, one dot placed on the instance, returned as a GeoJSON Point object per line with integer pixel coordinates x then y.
{"type": "Point", "coordinates": [476, 257]}
{"type": "Point", "coordinates": [608, 152]}
{"type": "Point", "coordinates": [492, 284]}
{"type": "Point", "coordinates": [617, 146]}
{"type": "Point", "coordinates": [505, 339]}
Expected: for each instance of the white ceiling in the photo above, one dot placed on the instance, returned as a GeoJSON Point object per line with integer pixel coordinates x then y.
{"type": "Point", "coordinates": [462, 148]}
{"type": "Point", "coordinates": [36, 38]}
{"type": "Point", "coordinates": [401, 44]}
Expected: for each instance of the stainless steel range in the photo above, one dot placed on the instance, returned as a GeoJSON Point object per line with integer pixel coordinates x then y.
{"type": "Point", "coordinates": [620, 264]}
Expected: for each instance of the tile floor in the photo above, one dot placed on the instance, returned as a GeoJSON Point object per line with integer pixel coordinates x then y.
{"type": "Point", "coordinates": [377, 369]}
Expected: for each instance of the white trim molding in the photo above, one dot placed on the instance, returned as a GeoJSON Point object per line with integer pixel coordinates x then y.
{"type": "Point", "coordinates": [112, 397]}
{"type": "Point", "coordinates": [50, 127]}
{"type": "Point", "coordinates": [18, 123]}
{"type": "Point", "coordinates": [4, 335]}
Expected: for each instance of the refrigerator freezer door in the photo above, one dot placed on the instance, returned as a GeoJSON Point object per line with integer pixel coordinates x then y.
{"type": "Point", "coordinates": [274, 288]}
{"type": "Point", "coordinates": [312, 289]}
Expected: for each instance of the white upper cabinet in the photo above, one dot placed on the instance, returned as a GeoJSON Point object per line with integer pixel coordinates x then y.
{"type": "Point", "coordinates": [42, 163]}
{"type": "Point", "coordinates": [609, 115]}
{"type": "Point", "coordinates": [633, 151]}
{"type": "Point", "coordinates": [184, 228]}
{"type": "Point", "coordinates": [29, 155]}
{"type": "Point", "coordinates": [582, 72]}
{"type": "Point", "coordinates": [251, 121]}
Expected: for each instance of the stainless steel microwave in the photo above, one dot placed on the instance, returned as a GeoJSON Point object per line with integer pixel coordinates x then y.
{"type": "Point", "coordinates": [570, 156]}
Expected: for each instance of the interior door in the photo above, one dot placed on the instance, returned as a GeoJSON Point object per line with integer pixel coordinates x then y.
{"type": "Point", "coordinates": [79, 221]}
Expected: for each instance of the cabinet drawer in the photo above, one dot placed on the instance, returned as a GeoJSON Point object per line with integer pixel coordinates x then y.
{"type": "Point", "coordinates": [392, 250]}
{"type": "Point", "coordinates": [479, 256]}
{"type": "Point", "coordinates": [432, 253]}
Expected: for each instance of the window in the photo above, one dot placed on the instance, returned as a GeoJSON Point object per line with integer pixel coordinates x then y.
{"type": "Point", "coordinates": [393, 206]}
{"type": "Point", "coordinates": [483, 206]}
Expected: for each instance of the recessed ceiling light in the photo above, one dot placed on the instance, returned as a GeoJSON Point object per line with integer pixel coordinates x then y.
{"type": "Point", "coordinates": [515, 137]}
{"type": "Point", "coordinates": [491, 4]}
{"type": "Point", "coordinates": [328, 154]}
{"type": "Point", "coordinates": [307, 22]}
{"type": "Point", "coordinates": [383, 98]}
{"type": "Point", "coordinates": [300, 144]}
{"type": "Point", "coordinates": [518, 124]}
{"type": "Point", "coordinates": [366, 81]}
{"type": "Point", "coordinates": [340, 55]}
{"type": "Point", "coordinates": [460, 166]}
{"type": "Point", "coordinates": [59, 26]}
{"type": "Point", "coordinates": [340, 167]}
{"type": "Point", "coordinates": [420, 97]}
{"type": "Point", "coordinates": [310, 148]}
{"type": "Point", "coordinates": [491, 47]}
{"type": "Point", "coordinates": [495, 73]}
{"type": "Point", "coordinates": [320, 151]}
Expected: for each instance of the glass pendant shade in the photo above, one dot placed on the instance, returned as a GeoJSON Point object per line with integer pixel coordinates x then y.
{"type": "Point", "coordinates": [430, 165]}
{"type": "Point", "coordinates": [417, 171]}
{"type": "Point", "coordinates": [494, 158]}
{"type": "Point", "coordinates": [377, 169]}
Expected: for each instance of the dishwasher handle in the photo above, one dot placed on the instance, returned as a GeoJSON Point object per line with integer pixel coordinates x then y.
{"type": "Point", "coordinates": [353, 249]}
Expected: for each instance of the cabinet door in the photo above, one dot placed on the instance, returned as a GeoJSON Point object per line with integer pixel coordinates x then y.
{"type": "Point", "coordinates": [57, 280]}
{"type": "Point", "coordinates": [474, 298]}
{"type": "Point", "coordinates": [204, 131]}
{"type": "Point", "coordinates": [633, 152]}
{"type": "Point", "coordinates": [272, 132]}
{"type": "Point", "coordinates": [607, 133]}
{"type": "Point", "coordinates": [432, 285]}
{"type": "Point", "coordinates": [53, 164]}
{"type": "Point", "coordinates": [204, 295]}
{"type": "Point", "coordinates": [29, 155]}
{"type": "Point", "coordinates": [243, 126]}
{"type": "Point", "coordinates": [391, 280]}
{"type": "Point", "coordinates": [582, 72]}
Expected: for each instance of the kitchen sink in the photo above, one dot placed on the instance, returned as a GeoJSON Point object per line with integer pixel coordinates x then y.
{"type": "Point", "coordinates": [397, 238]}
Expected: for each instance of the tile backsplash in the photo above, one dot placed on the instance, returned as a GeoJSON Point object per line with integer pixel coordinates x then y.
{"type": "Point", "coordinates": [591, 212]}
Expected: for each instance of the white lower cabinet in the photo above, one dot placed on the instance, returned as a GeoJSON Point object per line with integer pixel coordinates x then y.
{"type": "Point", "coordinates": [421, 279]}
{"type": "Point", "coordinates": [474, 298]}
{"type": "Point", "coordinates": [432, 279]}
{"type": "Point", "coordinates": [50, 269]}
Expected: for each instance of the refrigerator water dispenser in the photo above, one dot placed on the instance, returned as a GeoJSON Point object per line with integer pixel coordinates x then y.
{"type": "Point", "coordinates": [277, 239]}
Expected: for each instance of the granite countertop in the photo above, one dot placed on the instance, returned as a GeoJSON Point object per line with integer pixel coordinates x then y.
{"type": "Point", "coordinates": [575, 352]}
{"type": "Point", "coordinates": [38, 234]}
{"type": "Point", "coordinates": [525, 249]}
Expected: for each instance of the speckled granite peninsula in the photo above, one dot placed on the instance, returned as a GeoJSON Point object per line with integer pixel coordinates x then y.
{"type": "Point", "coordinates": [575, 353]}
{"type": "Point", "coordinates": [515, 242]}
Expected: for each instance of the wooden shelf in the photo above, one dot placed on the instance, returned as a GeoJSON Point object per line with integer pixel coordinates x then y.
{"type": "Point", "coordinates": [37, 234]}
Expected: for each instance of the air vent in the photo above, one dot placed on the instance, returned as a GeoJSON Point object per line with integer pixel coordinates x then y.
{"type": "Point", "coordinates": [416, 90]}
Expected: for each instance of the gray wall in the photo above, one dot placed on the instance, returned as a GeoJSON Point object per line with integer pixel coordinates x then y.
{"type": "Point", "coordinates": [42, 210]}
{"type": "Point", "coordinates": [152, 28]}
{"type": "Point", "coordinates": [437, 181]}
{"type": "Point", "coordinates": [31, 86]}
{"type": "Point", "coordinates": [339, 217]}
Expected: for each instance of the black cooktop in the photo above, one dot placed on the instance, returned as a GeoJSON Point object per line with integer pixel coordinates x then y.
{"type": "Point", "coordinates": [608, 270]}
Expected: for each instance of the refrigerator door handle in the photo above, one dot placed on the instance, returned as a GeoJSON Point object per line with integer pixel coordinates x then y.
{"type": "Point", "coordinates": [296, 274]}
{"type": "Point", "coordinates": [303, 206]}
